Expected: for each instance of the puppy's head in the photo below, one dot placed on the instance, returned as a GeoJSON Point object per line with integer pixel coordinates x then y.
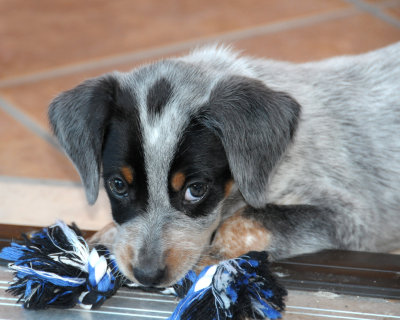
{"type": "Point", "coordinates": [170, 139]}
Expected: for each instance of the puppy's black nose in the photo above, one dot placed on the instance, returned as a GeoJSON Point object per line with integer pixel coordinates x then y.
{"type": "Point", "coordinates": [149, 277]}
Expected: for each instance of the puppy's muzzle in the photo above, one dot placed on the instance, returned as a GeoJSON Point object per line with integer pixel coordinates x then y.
{"type": "Point", "coordinates": [149, 269]}
{"type": "Point", "coordinates": [149, 276]}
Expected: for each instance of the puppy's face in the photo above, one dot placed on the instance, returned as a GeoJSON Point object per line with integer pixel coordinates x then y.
{"type": "Point", "coordinates": [166, 213]}
{"type": "Point", "coordinates": [170, 139]}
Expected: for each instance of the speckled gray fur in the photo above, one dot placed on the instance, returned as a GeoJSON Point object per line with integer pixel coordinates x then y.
{"type": "Point", "coordinates": [334, 182]}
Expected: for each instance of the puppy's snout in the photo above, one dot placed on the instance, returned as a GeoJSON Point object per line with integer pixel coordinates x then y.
{"type": "Point", "coordinates": [149, 276]}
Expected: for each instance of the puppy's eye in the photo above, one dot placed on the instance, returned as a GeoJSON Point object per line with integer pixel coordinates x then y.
{"type": "Point", "coordinates": [118, 186]}
{"type": "Point", "coordinates": [195, 192]}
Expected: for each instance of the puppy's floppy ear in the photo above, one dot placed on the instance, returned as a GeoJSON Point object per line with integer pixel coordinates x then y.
{"type": "Point", "coordinates": [255, 125]}
{"type": "Point", "coordinates": [78, 118]}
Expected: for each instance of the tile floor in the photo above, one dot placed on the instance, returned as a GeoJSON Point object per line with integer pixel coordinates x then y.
{"type": "Point", "coordinates": [48, 46]}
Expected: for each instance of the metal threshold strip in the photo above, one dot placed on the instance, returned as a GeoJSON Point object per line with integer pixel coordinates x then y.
{"type": "Point", "coordinates": [343, 272]}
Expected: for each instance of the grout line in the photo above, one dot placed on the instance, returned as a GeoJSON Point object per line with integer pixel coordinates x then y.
{"type": "Point", "coordinates": [40, 181]}
{"type": "Point", "coordinates": [375, 11]}
{"type": "Point", "coordinates": [387, 4]}
{"type": "Point", "coordinates": [27, 121]}
{"type": "Point", "coordinates": [92, 65]}
{"type": "Point", "coordinates": [285, 25]}
{"type": "Point", "coordinates": [177, 47]}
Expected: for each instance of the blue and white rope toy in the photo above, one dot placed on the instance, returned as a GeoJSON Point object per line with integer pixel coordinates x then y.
{"type": "Point", "coordinates": [55, 268]}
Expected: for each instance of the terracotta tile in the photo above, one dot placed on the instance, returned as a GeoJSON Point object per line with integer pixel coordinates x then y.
{"type": "Point", "coordinates": [43, 34]}
{"type": "Point", "coordinates": [378, 2]}
{"type": "Point", "coordinates": [394, 11]}
{"type": "Point", "coordinates": [357, 33]}
{"type": "Point", "coordinates": [34, 98]}
{"type": "Point", "coordinates": [24, 154]}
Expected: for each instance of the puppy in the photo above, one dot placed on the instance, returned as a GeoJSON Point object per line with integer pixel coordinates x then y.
{"type": "Point", "coordinates": [209, 155]}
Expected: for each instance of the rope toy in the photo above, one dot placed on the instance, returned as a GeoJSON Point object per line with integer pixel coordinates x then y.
{"type": "Point", "coordinates": [56, 268]}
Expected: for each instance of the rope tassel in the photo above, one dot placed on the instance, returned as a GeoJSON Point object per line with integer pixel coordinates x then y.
{"type": "Point", "coordinates": [242, 286]}
{"type": "Point", "coordinates": [55, 268]}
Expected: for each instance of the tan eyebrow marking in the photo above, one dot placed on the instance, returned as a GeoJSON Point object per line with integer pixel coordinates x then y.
{"type": "Point", "coordinates": [177, 181]}
{"type": "Point", "coordinates": [127, 172]}
{"type": "Point", "coordinates": [228, 187]}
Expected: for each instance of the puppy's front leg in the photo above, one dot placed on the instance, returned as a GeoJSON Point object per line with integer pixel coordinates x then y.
{"type": "Point", "coordinates": [281, 230]}
{"type": "Point", "coordinates": [298, 229]}
{"type": "Point", "coordinates": [236, 236]}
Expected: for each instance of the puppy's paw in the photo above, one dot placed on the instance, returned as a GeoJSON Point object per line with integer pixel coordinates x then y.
{"type": "Point", "coordinates": [236, 236]}
{"type": "Point", "coordinates": [105, 236]}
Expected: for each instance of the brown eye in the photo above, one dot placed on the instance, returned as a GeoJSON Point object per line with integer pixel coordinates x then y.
{"type": "Point", "coordinates": [118, 186]}
{"type": "Point", "coordinates": [195, 192]}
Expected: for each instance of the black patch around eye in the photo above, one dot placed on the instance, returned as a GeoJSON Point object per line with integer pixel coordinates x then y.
{"type": "Point", "coordinates": [123, 147]}
{"type": "Point", "coordinates": [158, 96]}
{"type": "Point", "coordinates": [204, 206]}
{"type": "Point", "coordinates": [201, 158]}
